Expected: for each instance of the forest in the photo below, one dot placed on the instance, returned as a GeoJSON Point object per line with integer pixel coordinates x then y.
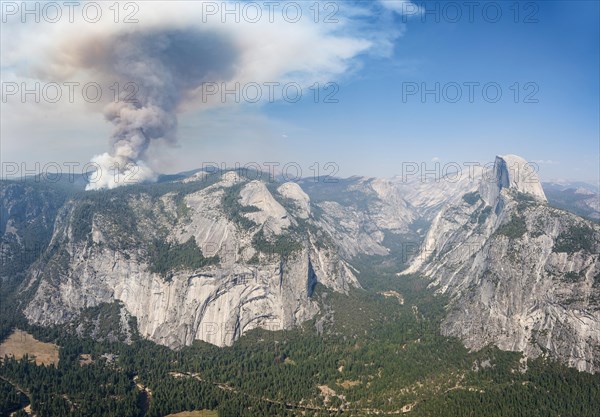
{"type": "Point", "coordinates": [374, 351]}
{"type": "Point", "coordinates": [374, 355]}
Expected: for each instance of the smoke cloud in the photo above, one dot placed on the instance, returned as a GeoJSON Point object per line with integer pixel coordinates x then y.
{"type": "Point", "coordinates": [162, 67]}
{"type": "Point", "coordinates": [162, 62]}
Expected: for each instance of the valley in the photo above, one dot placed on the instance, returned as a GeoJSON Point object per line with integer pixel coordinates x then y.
{"type": "Point", "coordinates": [244, 298]}
{"type": "Point", "coordinates": [300, 208]}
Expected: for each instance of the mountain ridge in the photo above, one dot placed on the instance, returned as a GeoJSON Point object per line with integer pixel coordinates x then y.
{"type": "Point", "coordinates": [483, 251]}
{"type": "Point", "coordinates": [210, 256]}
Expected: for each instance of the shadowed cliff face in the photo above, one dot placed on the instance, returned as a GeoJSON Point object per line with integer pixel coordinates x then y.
{"type": "Point", "coordinates": [510, 172]}
{"type": "Point", "coordinates": [27, 213]}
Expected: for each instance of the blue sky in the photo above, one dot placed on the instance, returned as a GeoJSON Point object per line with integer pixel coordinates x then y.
{"type": "Point", "coordinates": [372, 128]}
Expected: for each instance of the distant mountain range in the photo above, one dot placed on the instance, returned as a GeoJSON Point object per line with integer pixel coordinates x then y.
{"type": "Point", "coordinates": [577, 197]}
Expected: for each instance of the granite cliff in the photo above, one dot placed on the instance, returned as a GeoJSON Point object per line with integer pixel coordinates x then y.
{"type": "Point", "coordinates": [521, 275]}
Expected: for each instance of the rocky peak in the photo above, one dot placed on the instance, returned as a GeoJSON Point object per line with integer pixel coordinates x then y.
{"type": "Point", "coordinates": [510, 172]}
{"type": "Point", "coordinates": [269, 211]}
{"type": "Point", "coordinates": [520, 274]}
{"type": "Point", "coordinates": [207, 260]}
{"type": "Point", "coordinates": [294, 192]}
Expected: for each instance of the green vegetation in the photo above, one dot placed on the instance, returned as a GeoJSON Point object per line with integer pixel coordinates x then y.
{"type": "Point", "coordinates": [546, 389]}
{"type": "Point", "coordinates": [374, 353]}
{"type": "Point", "coordinates": [102, 322]}
{"type": "Point", "coordinates": [183, 211]}
{"type": "Point", "coordinates": [480, 215]}
{"type": "Point", "coordinates": [514, 229]}
{"type": "Point", "coordinates": [524, 200]}
{"type": "Point", "coordinates": [30, 208]}
{"type": "Point", "coordinates": [115, 214]}
{"type": "Point", "coordinates": [573, 276]}
{"type": "Point", "coordinates": [283, 245]}
{"type": "Point", "coordinates": [11, 399]}
{"type": "Point", "coordinates": [83, 216]}
{"type": "Point", "coordinates": [166, 257]}
{"type": "Point", "coordinates": [73, 390]}
{"type": "Point", "coordinates": [234, 210]}
{"type": "Point", "coordinates": [575, 239]}
{"type": "Point", "coordinates": [484, 214]}
{"type": "Point", "coordinates": [378, 353]}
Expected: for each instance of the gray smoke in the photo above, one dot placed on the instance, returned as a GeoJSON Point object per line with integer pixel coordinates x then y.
{"type": "Point", "coordinates": [162, 68]}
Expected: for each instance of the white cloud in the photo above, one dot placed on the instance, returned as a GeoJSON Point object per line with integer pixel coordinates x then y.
{"type": "Point", "coordinates": [278, 51]}
{"type": "Point", "coordinates": [402, 7]}
{"type": "Point", "coordinates": [546, 162]}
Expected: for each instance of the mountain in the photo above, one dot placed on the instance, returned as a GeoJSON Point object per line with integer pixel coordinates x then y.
{"type": "Point", "coordinates": [207, 259]}
{"type": "Point", "coordinates": [27, 214]}
{"type": "Point", "coordinates": [579, 198]}
{"type": "Point", "coordinates": [210, 256]}
{"type": "Point", "coordinates": [283, 299]}
{"type": "Point", "coordinates": [382, 216]}
{"type": "Point", "coordinates": [520, 274]}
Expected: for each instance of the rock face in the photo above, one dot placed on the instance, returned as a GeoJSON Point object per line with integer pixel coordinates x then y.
{"type": "Point", "coordinates": [364, 214]}
{"type": "Point", "coordinates": [238, 228]}
{"type": "Point", "coordinates": [301, 201]}
{"type": "Point", "coordinates": [27, 213]}
{"type": "Point", "coordinates": [579, 198]}
{"type": "Point", "coordinates": [512, 172]}
{"type": "Point", "coordinates": [520, 274]}
{"type": "Point", "coordinates": [210, 256]}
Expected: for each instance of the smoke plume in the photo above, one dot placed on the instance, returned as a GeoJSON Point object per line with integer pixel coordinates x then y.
{"type": "Point", "coordinates": [160, 65]}
{"type": "Point", "coordinates": [159, 69]}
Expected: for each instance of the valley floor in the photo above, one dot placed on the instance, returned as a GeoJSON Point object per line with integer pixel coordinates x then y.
{"type": "Point", "coordinates": [374, 356]}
